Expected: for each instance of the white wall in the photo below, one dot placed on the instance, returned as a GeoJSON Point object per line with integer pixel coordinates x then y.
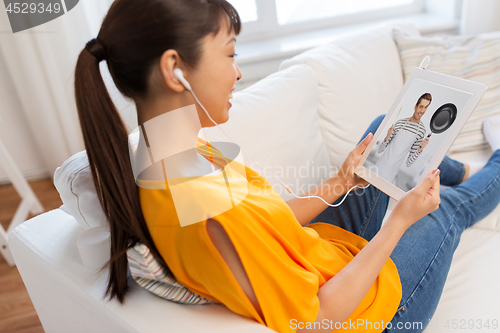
{"type": "Point", "coordinates": [480, 16]}
{"type": "Point", "coordinates": [15, 133]}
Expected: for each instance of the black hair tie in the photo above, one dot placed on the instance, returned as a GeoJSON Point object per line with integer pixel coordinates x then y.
{"type": "Point", "coordinates": [96, 49]}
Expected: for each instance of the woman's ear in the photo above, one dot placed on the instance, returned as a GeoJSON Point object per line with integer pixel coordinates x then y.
{"type": "Point", "coordinates": [169, 61]}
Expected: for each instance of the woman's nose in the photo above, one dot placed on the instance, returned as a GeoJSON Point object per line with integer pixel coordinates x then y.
{"type": "Point", "coordinates": [238, 72]}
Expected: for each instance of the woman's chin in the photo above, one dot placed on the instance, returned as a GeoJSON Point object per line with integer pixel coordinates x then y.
{"type": "Point", "coordinates": [228, 111]}
{"type": "Point", "coordinates": [226, 118]}
{"type": "Point", "coordinates": [219, 120]}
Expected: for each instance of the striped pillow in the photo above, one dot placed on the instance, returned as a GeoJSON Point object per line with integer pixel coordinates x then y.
{"type": "Point", "coordinates": [474, 58]}
{"type": "Point", "coordinates": [149, 274]}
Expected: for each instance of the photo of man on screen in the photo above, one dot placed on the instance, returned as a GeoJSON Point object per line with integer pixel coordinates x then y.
{"type": "Point", "coordinates": [404, 141]}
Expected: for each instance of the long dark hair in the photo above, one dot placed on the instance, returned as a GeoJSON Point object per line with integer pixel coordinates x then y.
{"type": "Point", "coordinates": [133, 36]}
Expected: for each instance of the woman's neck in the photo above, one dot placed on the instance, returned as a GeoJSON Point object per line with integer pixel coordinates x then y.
{"type": "Point", "coordinates": [177, 117]}
{"type": "Point", "coordinates": [172, 132]}
{"type": "Point", "coordinates": [171, 137]}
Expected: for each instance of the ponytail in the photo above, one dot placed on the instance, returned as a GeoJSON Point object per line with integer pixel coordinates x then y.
{"type": "Point", "coordinates": [106, 141]}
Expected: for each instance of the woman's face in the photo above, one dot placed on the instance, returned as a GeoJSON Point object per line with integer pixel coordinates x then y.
{"type": "Point", "coordinates": [214, 78]}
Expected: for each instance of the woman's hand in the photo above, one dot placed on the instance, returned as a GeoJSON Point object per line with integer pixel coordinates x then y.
{"type": "Point", "coordinates": [419, 202]}
{"type": "Point", "coordinates": [346, 172]}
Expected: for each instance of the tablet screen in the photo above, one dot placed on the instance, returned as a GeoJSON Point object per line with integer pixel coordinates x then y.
{"type": "Point", "coordinates": [415, 132]}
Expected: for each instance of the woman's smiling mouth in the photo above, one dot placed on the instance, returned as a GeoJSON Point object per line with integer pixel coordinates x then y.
{"type": "Point", "coordinates": [230, 97]}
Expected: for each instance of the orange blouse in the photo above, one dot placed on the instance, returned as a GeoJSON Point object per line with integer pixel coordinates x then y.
{"type": "Point", "coordinates": [285, 262]}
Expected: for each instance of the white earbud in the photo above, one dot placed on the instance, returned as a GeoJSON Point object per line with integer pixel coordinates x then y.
{"type": "Point", "coordinates": [180, 76]}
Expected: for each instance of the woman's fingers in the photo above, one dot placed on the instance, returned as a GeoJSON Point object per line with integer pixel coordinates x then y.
{"type": "Point", "coordinates": [429, 188]}
{"type": "Point", "coordinates": [434, 191]}
{"type": "Point", "coordinates": [363, 144]}
{"type": "Point", "coordinates": [428, 182]}
{"type": "Point", "coordinates": [347, 169]}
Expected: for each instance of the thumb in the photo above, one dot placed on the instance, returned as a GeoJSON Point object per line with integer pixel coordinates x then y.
{"type": "Point", "coordinates": [429, 181]}
{"type": "Point", "coordinates": [364, 143]}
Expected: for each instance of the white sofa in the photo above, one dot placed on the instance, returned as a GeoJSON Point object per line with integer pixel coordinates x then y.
{"type": "Point", "coordinates": [308, 115]}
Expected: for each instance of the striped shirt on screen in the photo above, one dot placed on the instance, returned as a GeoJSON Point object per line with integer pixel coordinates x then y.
{"type": "Point", "coordinates": [415, 128]}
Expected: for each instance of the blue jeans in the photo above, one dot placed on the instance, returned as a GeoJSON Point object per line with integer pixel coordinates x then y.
{"type": "Point", "coordinates": [423, 255]}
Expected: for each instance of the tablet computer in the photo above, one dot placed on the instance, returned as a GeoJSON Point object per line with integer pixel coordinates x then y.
{"type": "Point", "coordinates": [418, 130]}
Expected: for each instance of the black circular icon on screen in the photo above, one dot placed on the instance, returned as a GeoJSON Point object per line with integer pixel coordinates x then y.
{"type": "Point", "coordinates": [443, 118]}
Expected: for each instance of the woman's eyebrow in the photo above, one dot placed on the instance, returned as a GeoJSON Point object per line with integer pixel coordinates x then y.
{"type": "Point", "coordinates": [230, 40]}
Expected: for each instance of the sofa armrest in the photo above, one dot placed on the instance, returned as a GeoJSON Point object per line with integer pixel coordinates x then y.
{"type": "Point", "coordinates": [66, 294]}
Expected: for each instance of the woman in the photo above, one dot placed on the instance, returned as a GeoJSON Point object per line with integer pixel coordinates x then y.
{"type": "Point", "coordinates": [257, 258]}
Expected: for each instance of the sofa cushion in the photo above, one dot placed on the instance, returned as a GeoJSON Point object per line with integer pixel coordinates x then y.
{"type": "Point", "coordinates": [359, 76]}
{"type": "Point", "coordinates": [276, 122]}
{"type": "Point", "coordinates": [473, 58]}
{"type": "Point", "coordinates": [471, 292]}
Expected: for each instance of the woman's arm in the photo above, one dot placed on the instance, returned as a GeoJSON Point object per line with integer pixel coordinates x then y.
{"type": "Point", "coordinates": [223, 243]}
{"type": "Point", "coordinates": [341, 295]}
{"type": "Point", "coordinates": [307, 209]}
{"type": "Point", "coordinates": [349, 286]}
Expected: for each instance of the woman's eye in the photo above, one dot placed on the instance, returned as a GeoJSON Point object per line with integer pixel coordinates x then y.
{"type": "Point", "coordinates": [233, 55]}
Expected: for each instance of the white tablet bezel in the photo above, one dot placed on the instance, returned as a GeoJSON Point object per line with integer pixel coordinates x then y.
{"type": "Point", "coordinates": [476, 89]}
